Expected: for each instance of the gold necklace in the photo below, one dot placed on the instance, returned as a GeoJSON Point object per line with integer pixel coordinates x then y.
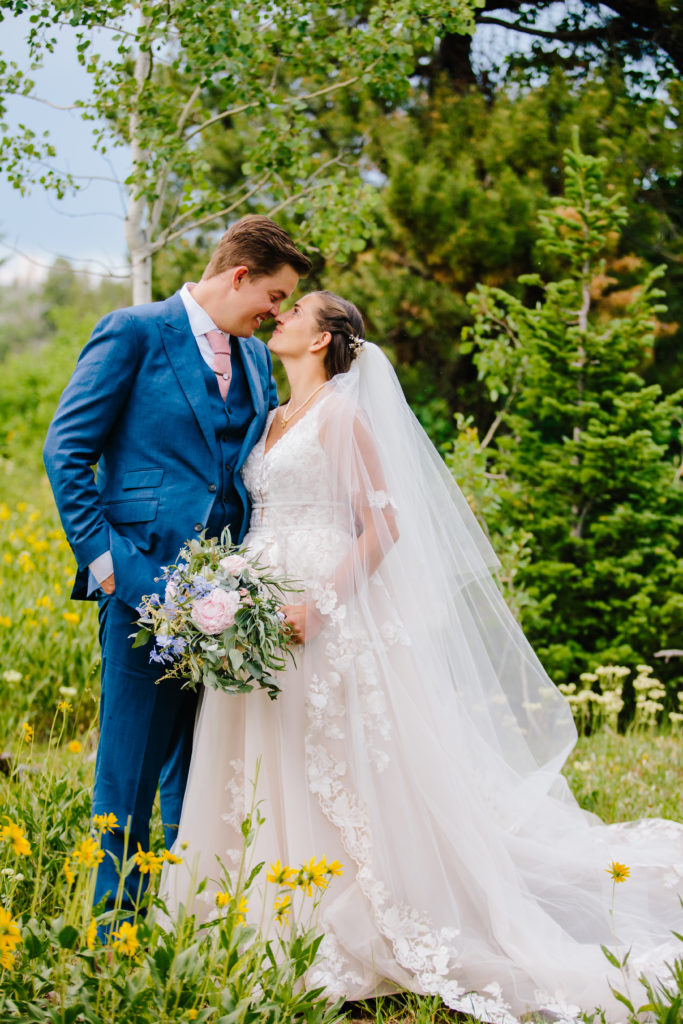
{"type": "Point", "coordinates": [286, 418]}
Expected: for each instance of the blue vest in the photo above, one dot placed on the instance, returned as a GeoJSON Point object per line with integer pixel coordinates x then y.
{"type": "Point", "coordinates": [230, 420]}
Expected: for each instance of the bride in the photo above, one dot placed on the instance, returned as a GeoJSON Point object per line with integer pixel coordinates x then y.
{"type": "Point", "coordinates": [417, 740]}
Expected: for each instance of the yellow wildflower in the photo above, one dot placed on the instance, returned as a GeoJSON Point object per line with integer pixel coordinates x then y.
{"type": "Point", "coordinates": [73, 618]}
{"type": "Point", "coordinates": [7, 558]}
{"type": "Point", "coordinates": [88, 853]}
{"type": "Point", "coordinates": [192, 1014]}
{"type": "Point", "coordinates": [619, 872]}
{"type": "Point", "coordinates": [171, 858]}
{"type": "Point", "coordinates": [318, 872]}
{"type": "Point", "coordinates": [10, 936]}
{"type": "Point", "coordinates": [28, 731]}
{"type": "Point", "coordinates": [282, 909]}
{"type": "Point", "coordinates": [126, 939]}
{"type": "Point", "coordinates": [335, 868]}
{"type": "Point", "coordinates": [242, 908]}
{"type": "Point", "coordinates": [91, 934]}
{"type": "Point", "coordinates": [64, 706]}
{"type": "Point", "coordinates": [105, 822]}
{"type": "Point", "coordinates": [15, 835]}
{"type": "Point", "coordinates": [5, 621]}
{"type": "Point", "coordinates": [149, 863]}
{"type": "Point", "coordinates": [222, 899]}
{"type": "Point", "coordinates": [5, 513]}
{"type": "Point", "coordinates": [75, 747]}
{"type": "Point", "coordinates": [279, 875]}
{"type": "Point", "coordinates": [302, 880]}
{"type": "Point", "coordinates": [70, 876]}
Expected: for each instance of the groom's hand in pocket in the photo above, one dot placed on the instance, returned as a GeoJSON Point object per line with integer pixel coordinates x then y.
{"type": "Point", "coordinates": [108, 585]}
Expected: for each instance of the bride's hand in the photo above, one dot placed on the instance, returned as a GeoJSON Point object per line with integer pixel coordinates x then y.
{"type": "Point", "coordinates": [303, 625]}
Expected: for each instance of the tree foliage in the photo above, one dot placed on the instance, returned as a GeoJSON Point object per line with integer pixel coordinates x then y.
{"type": "Point", "coordinates": [587, 455]}
{"type": "Point", "coordinates": [645, 37]}
{"type": "Point", "coordinates": [182, 72]}
{"type": "Point", "coordinates": [464, 179]}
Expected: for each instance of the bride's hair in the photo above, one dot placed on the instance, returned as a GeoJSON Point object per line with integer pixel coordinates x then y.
{"type": "Point", "coordinates": [345, 323]}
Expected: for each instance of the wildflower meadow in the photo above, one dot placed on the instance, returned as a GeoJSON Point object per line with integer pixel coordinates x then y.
{"type": "Point", "coordinates": [63, 961]}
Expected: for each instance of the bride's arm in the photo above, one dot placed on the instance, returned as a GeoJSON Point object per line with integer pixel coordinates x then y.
{"type": "Point", "coordinates": [361, 485]}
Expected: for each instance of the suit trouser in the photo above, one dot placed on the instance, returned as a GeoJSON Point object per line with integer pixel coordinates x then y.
{"type": "Point", "coordinates": [145, 735]}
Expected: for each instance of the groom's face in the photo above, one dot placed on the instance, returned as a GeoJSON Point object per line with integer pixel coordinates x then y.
{"type": "Point", "coordinates": [255, 299]}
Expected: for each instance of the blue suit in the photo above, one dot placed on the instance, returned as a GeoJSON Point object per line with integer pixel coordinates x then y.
{"type": "Point", "coordinates": [141, 406]}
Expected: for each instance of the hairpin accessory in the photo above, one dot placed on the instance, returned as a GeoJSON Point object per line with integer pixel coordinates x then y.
{"type": "Point", "coordinates": [356, 344]}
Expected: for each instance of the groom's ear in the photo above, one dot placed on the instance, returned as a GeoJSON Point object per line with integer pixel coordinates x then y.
{"type": "Point", "coordinates": [238, 275]}
{"type": "Point", "coordinates": [321, 342]}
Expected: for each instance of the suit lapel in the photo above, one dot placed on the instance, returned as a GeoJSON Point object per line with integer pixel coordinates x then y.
{"type": "Point", "coordinates": [256, 390]}
{"type": "Point", "coordinates": [251, 371]}
{"type": "Point", "coordinates": [181, 349]}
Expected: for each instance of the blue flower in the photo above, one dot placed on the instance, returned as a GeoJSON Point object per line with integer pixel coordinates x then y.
{"type": "Point", "coordinates": [201, 587]}
{"type": "Point", "coordinates": [168, 648]}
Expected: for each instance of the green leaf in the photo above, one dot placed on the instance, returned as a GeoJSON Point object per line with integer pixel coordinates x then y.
{"type": "Point", "coordinates": [142, 637]}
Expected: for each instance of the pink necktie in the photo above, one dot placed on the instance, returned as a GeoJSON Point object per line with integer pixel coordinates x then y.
{"type": "Point", "coordinates": [222, 366]}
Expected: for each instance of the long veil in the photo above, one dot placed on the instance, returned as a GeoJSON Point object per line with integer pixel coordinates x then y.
{"type": "Point", "coordinates": [439, 572]}
{"type": "Point", "coordinates": [435, 740]}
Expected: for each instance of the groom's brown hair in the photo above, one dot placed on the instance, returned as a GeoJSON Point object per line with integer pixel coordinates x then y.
{"type": "Point", "coordinates": [257, 243]}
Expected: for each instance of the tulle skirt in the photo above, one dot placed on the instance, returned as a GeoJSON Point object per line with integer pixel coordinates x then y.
{"type": "Point", "coordinates": [464, 876]}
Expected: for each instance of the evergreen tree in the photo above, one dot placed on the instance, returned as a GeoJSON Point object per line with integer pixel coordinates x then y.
{"type": "Point", "coordinates": [585, 451]}
{"type": "Point", "coordinates": [463, 182]}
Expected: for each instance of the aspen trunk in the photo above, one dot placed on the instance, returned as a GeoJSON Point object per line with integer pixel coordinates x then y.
{"type": "Point", "coordinates": [135, 228]}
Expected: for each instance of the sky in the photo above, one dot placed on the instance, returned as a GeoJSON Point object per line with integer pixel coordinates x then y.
{"type": "Point", "coordinates": [85, 228]}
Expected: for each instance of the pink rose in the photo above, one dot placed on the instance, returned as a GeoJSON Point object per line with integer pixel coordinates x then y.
{"type": "Point", "coordinates": [216, 612]}
{"type": "Point", "coordinates": [233, 564]}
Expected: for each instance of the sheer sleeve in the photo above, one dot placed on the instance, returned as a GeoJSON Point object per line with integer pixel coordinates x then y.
{"type": "Point", "coordinates": [362, 494]}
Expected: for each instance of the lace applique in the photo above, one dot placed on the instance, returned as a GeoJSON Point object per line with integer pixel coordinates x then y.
{"type": "Point", "coordinates": [324, 706]}
{"type": "Point", "coordinates": [237, 801]}
{"type": "Point", "coordinates": [325, 597]}
{"type": "Point", "coordinates": [380, 500]}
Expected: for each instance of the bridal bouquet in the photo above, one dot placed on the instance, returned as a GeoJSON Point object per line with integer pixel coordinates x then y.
{"type": "Point", "coordinates": [219, 622]}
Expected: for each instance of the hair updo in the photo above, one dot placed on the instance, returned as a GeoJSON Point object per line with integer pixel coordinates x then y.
{"type": "Point", "coordinates": [344, 322]}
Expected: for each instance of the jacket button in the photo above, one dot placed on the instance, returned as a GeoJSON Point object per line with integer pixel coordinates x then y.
{"type": "Point", "coordinates": [212, 488]}
{"type": "Point", "coordinates": [198, 527]}
{"type": "Point", "coordinates": [228, 466]}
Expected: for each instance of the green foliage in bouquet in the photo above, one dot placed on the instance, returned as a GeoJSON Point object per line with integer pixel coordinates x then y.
{"type": "Point", "coordinates": [220, 621]}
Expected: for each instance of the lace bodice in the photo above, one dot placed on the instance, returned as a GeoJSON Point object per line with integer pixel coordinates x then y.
{"type": "Point", "coordinates": [295, 524]}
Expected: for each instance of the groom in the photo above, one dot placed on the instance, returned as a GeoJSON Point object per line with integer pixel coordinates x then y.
{"type": "Point", "coordinates": [167, 400]}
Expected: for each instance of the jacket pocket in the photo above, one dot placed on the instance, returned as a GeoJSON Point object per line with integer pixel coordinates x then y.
{"type": "Point", "coordinates": [133, 510]}
{"type": "Point", "coordinates": [141, 478]}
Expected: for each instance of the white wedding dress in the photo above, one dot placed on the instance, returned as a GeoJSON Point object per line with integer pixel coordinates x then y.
{"type": "Point", "coordinates": [398, 748]}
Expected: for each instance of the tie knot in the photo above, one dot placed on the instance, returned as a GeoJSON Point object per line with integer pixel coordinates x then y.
{"type": "Point", "coordinates": [219, 342]}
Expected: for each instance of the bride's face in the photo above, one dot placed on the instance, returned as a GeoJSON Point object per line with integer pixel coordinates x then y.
{"type": "Point", "coordinates": [297, 329]}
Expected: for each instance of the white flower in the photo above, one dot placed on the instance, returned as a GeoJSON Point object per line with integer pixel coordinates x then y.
{"type": "Point", "coordinates": [12, 676]}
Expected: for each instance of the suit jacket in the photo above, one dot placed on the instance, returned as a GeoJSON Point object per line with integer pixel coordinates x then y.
{"type": "Point", "coordinates": [136, 407]}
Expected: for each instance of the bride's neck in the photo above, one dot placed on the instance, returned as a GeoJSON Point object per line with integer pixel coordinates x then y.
{"type": "Point", "coordinates": [303, 380]}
